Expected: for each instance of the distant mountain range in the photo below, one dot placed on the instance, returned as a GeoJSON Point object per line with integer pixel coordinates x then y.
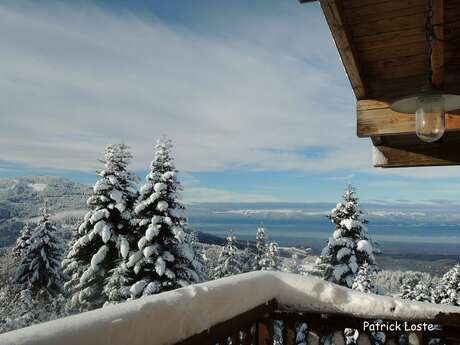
{"type": "Point", "coordinates": [290, 223]}
{"type": "Point", "coordinates": [22, 198]}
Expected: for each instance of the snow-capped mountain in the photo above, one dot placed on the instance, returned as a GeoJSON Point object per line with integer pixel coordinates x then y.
{"type": "Point", "coordinates": [22, 198]}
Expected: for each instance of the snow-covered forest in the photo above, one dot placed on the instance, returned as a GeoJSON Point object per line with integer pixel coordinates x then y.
{"type": "Point", "coordinates": [135, 241]}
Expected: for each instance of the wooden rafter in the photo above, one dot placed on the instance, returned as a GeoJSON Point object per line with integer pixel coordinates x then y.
{"type": "Point", "coordinates": [383, 48]}
{"type": "Point", "coordinates": [437, 46]}
{"type": "Point", "coordinates": [333, 13]}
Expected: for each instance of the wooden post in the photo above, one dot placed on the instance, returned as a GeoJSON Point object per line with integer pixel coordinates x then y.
{"type": "Point", "coordinates": [289, 332]}
{"type": "Point", "coordinates": [265, 330]}
{"type": "Point", "coordinates": [236, 338]}
{"type": "Point", "coordinates": [247, 337]}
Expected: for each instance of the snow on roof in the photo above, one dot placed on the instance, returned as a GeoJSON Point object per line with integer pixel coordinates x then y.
{"type": "Point", "coordinates": [172, 316]}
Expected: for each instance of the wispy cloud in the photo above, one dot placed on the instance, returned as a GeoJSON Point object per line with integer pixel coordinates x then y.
{"type": "Point", "coordinates": [203, 194]}
{"type": "Point", "coordinates": [244, 90]}
{"type": "Point", "coordinates": [76, 77]}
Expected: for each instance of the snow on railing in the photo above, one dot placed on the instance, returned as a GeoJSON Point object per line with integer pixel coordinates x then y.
{"type": "Point", "coordinates": [170, 317]}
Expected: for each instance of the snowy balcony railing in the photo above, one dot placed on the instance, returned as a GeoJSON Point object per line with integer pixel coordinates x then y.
{"type": "Point", "coordinates": [242, 309]}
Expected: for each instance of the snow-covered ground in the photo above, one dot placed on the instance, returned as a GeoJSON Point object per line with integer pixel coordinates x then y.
{"type": "Point", "coordinates": [38, 187]}
{"type": "Point", "coordinates": [61, 215]}
{"type": "Point", "coordinates": [175, 315]}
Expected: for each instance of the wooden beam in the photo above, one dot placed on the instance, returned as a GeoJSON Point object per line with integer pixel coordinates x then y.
{"type": "Point", "coordinates": [437, 46]}
{"type": "Point", "coordinates": [375, 118]}
{"type": "Point", "coordinates": [416, 155]}
{"type": "Point", "coordinates": [333, 13]}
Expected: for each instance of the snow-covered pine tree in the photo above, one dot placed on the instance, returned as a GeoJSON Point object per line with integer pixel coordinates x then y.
{"type": "Point", "coordinates": [272, 258]}
{"type": "Point", "coordinates": [23, 241]}
{"type": "Point", "coordinates": [416, 288]}
{"type": "Point", "coordinates": [104, 238]}
{"type": "Point", "coordinates": [40, 267]}
{"type": "Point", "coordinates": [293, 265]}
{"type": "Point", "coordinates": [350, 246]}
{"type": "Point", "coordinates": [261, 249]}
{"type": "Point", "coordinates": [247, 258]}
{"type": "Point", "coordinates": [197, 250]}
{"type": "Point", "coordinates": [164, 258]}
{"type": "Point", "coordinates": [116, 287]}
{"type": "Point", "coordinates": [228, 263]}
{"type": "Point", "coordinates": [364, 281]}
{"type": "Point", "coordinates": [448, 290]}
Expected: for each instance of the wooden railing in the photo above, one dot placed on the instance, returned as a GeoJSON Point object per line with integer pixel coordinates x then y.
{"type": "Point", "coordinates": [267, 325]}
{"type": "Point", "coordinates": [269, 308]}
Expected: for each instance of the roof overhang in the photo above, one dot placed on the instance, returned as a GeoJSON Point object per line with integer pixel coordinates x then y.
{"type": "Point", "coordinates": [383, 48]}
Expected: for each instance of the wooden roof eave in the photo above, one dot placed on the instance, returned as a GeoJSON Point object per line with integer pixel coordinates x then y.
{"type": "Point", "coordinates": [375, 118]}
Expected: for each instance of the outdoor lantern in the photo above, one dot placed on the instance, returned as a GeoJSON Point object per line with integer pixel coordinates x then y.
{"type": "Point", "coordinates": [429, 107]}
{"type": "Point", "coordinates": [430, 104]}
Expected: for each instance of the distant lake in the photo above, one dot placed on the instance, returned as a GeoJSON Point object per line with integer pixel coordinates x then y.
{"type": "Point", "coordinates": [404, 236]}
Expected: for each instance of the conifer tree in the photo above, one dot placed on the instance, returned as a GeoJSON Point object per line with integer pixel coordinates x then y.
{"type": "Point", "coordinates": [22, 242]}
{"type": "Point", "coordinates": [364, 281]}
{"type": "Point", "coordinates": [350, 246]}
{"type": "Point", "coordinates": [448, 290]}
{"type": "Point", "coordinates": [272, 259]}
{"type": "Point", "coordinates": [247, 258]}
{"type": "Point", "coordinates": [39, 270]}
{"type": "Point", "coordinates": [293, 265]}
{"type": "Point", "coordinates": [261, 249]}
{"type": "Point", "coordinates": [198, 252]}
{"type": "Point", "coordinates": [103, 240]}
{"type": "Point", "coordinates": [228, 263]}
{"type": "Point", "coordinates": [416, 288]}
{"type": "Point", "coordinates": [164, 258]}
{"type": "Point", "coordinates": [117, 284]}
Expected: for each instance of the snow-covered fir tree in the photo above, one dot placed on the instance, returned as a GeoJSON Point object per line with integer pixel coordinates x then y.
{"type": "Point", "coordinates": [40, 267]}
{"type": "Point", "coordinates": [247, 258]}
{"type": "Point", "coordinates": [364, 281]}
{"type": "Point", "coordinates": [350, 246]}
{"type": "Point", "coordinates": [116, 286]}
{"type": "Point", "coordinates": [272, 258]}
{"type": "Point", "coordinates": [23, 241]}
{"type": "Point", "coordinates": [448, 290]}
{"type": "Point", "coordinates": [293, 264]}
{"type": "Point", "coordinates": [416, 288]}
{"type": "Point", "coordinates": [229, 262]}
{"type": "Point", "coordinates": [198, 252]}
{"type": "Point", "coordinates": [22, 308]}
{"type": "Point", "coordinates": [164, 258]}
{"type": "Point", "coordinates": [103, 240]}
{"type": "Point", "coordinates": [261, 249]}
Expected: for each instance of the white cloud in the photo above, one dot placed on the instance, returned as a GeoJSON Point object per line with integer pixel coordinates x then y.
{"type": "Point", "coordinates": [250, 94]}
{"type": "Point", "coordinates": [202, 194]}
{"type": "Point", "coordinates": [76, 77]}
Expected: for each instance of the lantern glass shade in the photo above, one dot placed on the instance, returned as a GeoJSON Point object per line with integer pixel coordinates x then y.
{"type": "Point", "coordinates": [429, 107]}
{"type": "Point", "coordinates": [429, 117]}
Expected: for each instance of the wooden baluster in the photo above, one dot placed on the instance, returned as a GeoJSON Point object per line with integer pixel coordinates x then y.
{"type": "Point", "coordinates": [419, 336]}
{"type": "Point", "coordinates": [236, 338]}
{"type": "Point", "coordinates": [247, 336]}
{"type": "Point", "coordinates": [289, 332]}
{"type": "Point", "coordinates": [265, 331]}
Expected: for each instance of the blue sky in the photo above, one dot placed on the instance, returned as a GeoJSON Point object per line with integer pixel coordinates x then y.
{"type": "Point", "coordinates": [253, 95]}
